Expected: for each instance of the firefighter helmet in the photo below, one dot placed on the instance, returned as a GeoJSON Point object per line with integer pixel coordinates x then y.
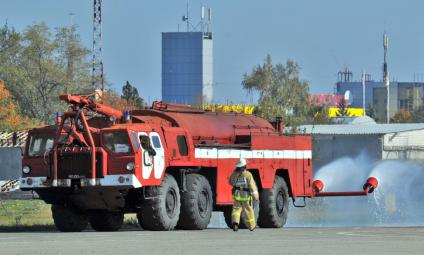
{"type": "Point", "coordinates": [241, 163]}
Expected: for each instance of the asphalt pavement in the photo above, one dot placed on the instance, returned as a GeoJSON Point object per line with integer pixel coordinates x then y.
{"type": "Point", "coordinates": [220, 241]}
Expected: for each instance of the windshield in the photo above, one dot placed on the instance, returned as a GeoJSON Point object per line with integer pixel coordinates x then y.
{"type": "Point", "coordinates": [117, 142]}
{"type": "Point", "coordinates": [40, 144]}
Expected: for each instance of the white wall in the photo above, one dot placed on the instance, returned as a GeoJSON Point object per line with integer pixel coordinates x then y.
{"type": "Point", "coordinates": [407, 145]}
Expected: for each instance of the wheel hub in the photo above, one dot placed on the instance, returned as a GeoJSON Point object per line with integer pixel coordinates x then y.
{"type": "Point", "coordinates": [170, 202]}
{"type": "Point", "coordinates": [202, 203]}
{"type": "Point", "coordinates": [280, 203]}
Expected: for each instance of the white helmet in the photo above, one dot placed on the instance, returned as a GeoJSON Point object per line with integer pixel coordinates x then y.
{"type": "Point", "coordinates": [242, 162]}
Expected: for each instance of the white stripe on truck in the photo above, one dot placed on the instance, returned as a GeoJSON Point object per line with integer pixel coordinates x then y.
{"type": "Point", "coordinates": [213, 153]}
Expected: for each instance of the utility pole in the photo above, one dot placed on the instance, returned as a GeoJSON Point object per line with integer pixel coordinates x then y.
{"type": "Point", "coordinates": [363, 93]}
{"type": "Point", "coordinates": [386, 74]}
{"type": "Point", "coordinates": [97, 78]}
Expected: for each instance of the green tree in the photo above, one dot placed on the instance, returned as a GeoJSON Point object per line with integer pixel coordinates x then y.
{"type": "Point", "coordinates": [320, 115]}
{"type": "Point", "coordinates": [40, 65]}
{"type": "Point", "coordinates": [281, 92]}
{"type": "Point", "coordinates": [401, 116]}
{"type": "Point", "coordinates": [343, 110]}
{"type": "Point", "coordinates": [371, 112]}
{"type": "Point", "coordinates": [418, 115]}
{"type": "Point", "coordinates": [73, 57]}
{"type": "Point", "coordinates": [130, 94]}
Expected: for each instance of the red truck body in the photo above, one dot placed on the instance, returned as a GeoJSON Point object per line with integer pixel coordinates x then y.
{"type": "Point", "coordinates": [136, 152]}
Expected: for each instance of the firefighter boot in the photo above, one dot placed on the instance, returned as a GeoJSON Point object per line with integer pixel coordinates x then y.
{"type": "Point", "coordinates": [235, 226]}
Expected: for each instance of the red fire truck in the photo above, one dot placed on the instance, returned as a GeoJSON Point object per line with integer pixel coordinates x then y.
{"type": "Point", "coordinates": [170, 164]}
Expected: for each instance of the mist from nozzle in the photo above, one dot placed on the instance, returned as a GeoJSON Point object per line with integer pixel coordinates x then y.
{"type": "Point", "coordinates": [398, 200]}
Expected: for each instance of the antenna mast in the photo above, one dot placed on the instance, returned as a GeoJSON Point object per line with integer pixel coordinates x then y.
{"type": "Point", "coordinates": [97, 72]}
{"type": "Point", "coordinates": [386, 73]}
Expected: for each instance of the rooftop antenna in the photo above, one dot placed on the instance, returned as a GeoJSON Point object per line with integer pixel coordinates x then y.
{"type": "Point", "coordinates": [363, 93]}
{"type": "Point", "coordinates": [209, 17]}
{"type": "Point", "coordinates": [186, 17]}
{"type": "Point", "coordinates": [386, 80]}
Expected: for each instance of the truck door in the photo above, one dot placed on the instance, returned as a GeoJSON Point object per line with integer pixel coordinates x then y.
{"type": "Point", "coordinates": [146, 158]}
{"type": "Point", "coordinates": [159, 158]}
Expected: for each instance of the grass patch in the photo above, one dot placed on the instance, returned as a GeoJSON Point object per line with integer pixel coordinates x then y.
{"type": "Point", "coordinates": [35, 215]}
{"type": "Point", "coordinates": [14, 213]}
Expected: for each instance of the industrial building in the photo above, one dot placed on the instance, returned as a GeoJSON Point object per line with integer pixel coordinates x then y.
{"type": "Point", "coordinates": [187, 67]}
{"type": "Point", "coordinates": [377, 141]}
{"type": "Point", "coordinates": [408, 96]}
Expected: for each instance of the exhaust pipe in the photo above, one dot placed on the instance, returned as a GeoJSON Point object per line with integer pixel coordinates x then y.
{"type": "Point", "coordinates": [369, 187]}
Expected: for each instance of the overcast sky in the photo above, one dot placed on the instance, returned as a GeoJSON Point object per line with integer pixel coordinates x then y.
{"type": "Point", "coordinates": [322, 36]}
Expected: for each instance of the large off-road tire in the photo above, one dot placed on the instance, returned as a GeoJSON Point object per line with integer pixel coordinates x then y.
{"type": "Point", "coordinates": [196, 203]}
{"type": "Point", "coordinates": [227, 215]}
{"type": "Point", "coordinates": [68, 219]}
{"type": "Point", "coordinates": [162, 208]}
{"type": "Point", "coordinates": [274, 205]}
{"type": "Point", "coordinates": [103, 220]}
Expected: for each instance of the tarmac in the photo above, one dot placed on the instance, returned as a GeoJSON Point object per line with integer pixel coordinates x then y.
{"type": "Point", "coordinates": [368, 240]}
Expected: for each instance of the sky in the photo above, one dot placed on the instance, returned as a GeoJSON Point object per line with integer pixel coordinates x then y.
{"type": "Point", "coordinates": [323, 37]}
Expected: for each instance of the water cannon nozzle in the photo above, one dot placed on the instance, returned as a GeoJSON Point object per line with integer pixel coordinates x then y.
{"type": "Point", "coordinates": [317, 186]}
{"type": "Point", "coordinates": [371, 184]}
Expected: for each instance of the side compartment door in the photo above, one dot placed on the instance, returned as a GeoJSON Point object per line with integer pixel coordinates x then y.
{"type": "Point", "coordinates": [159, 158]}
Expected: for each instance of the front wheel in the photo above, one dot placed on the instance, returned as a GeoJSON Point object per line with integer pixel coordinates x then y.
{"type": "Point", "coordinates": [68, 219]}
{"type": "Point", "coordinates": [106, 221]}
{"type": "Point", "coordinates": [274, 205]}
{"type": "Point", "coordinates": [162, 209]}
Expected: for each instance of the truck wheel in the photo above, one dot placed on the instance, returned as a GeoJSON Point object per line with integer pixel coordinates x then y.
{"type": "Point", "coordinates": [227, 215]}
{"type": "Point", "coordinates": [106, 221]}
{"type": "Point", "coordinates": [162, 209]}
{"type": "Point", "coordinates": [68, 219]}
{"type": "Point", "coordinates": [274, 205]}
{"type": "Point", "coordinates": [196, 203]}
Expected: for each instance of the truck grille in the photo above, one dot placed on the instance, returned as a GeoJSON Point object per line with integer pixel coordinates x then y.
{"type": "Point", "coordinates": [78, 165]}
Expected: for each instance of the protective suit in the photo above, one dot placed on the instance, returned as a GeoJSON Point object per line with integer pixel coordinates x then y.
{"type": "Point", "coordinates": [244, 190]}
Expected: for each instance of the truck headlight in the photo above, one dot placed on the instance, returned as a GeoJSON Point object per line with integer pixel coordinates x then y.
{"type": "Point", "coordinates": [130, 166]}
{"type": "Point", "coordinates": [26, 169]}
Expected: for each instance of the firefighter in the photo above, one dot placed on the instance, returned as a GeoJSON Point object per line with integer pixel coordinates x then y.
{"type": "Point", "coordinates": [244, 190]}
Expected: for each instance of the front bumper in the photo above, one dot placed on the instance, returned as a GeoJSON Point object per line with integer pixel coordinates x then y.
{"type": "Point", "coordinates": [121, 180]}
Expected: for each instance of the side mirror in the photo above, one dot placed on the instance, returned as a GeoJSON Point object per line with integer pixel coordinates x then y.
{"type": "Point", "coordinates": [152, 151]}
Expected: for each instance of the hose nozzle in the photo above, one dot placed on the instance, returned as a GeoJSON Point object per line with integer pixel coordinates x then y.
{"type": "Point", "coordinates": [318, 186]}
{"type": "Point", "coordinates": [371, 185]}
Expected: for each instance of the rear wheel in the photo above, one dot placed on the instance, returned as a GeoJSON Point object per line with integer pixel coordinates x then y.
{"type": "Point", "coordinates": [274, 205]}
{"type": "Point", "coordinates": [162, 209]}
{"type": "Point", "coordinates": [196, 203]}
{"type": "Point", "coordinates": [106, 221]}
{"type": "Point", "coordinates": [68, 219]}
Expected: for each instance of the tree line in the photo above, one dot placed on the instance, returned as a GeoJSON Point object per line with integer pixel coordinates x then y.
{"type": "Point", "coordinates": [40, 63]}
{"type": "Point", "coordinates": [282, 93]}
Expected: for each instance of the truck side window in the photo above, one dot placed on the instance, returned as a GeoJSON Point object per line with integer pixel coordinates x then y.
{"type": "Point", "coordinates": [145, 142]}
{"type": "Point", "coordinates": [156, 142]}
{"type": "Point", "coordinates": [182, 145]}
{"type": "Point", "coordinates": [135, 140]}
